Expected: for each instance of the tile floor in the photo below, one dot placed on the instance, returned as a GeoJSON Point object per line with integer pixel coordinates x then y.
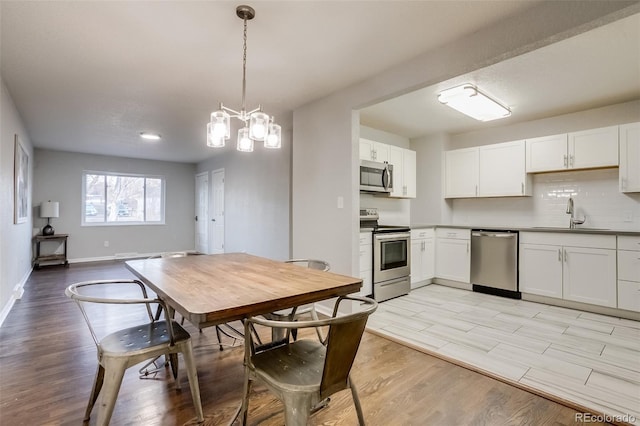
{"type": "Point", "coordinates": [590, 359]}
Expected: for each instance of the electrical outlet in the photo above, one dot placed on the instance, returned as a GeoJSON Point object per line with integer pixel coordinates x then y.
{"type": "Point", "coordinates": [340, 202]}
{"type": "Point", "coordinates": [106, 243]}
{"type": "Point", "coordinates": [627, 216]}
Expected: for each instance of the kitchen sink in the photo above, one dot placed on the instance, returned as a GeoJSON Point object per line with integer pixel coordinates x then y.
{"type": "Point", "coordinates": [571, 229]}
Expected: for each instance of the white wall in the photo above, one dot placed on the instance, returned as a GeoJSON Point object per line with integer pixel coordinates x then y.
{"type": "Point", "coordinates": [257, 197]}
{"type": "Point", "coordinates": [326, 131]}
{"type": "Point", "coordinates": [58, 177]}
{"type": "Point", "coordinates": [15, 239]}
{"type": "Point", "coordinates": [429, 207]}
{"type": "Point", "coordinates": [595, 192]}
{"type": "Point", "coordinates": [626, 112]}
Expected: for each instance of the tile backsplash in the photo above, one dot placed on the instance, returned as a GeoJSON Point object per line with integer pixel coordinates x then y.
{"type": "Point", "coordinates": [595, 194]}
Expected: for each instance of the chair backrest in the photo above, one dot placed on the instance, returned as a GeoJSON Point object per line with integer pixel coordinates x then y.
{"type": "Point", "coordinates": [320, 265]}
{"type": "Point", "coordinates": [343, 340]}
{"type": "Point", "coordinates": [75, 292]}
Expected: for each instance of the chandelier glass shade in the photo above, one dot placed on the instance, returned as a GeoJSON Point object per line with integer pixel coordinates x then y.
{"type": "Point", "coordinates": [258, 126]}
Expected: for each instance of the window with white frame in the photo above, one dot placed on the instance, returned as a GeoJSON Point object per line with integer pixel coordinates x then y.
{"type": "Point", "coordinates": [121, 199]}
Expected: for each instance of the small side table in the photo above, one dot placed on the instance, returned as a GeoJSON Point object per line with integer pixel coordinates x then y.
{"type": "Point", "coordinates": [62, 257]}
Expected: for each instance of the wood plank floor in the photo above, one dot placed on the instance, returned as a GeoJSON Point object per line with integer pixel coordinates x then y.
{"type": "Point", "coordinates": [47, 363]}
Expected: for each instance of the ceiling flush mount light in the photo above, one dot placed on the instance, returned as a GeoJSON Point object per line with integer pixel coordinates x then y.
{"type": "Point", "coordinates": [149, 136]}
{"type": "Point", "coordinates": [258, 126]}
{"type": "Point", "coordinates": [470, 101]}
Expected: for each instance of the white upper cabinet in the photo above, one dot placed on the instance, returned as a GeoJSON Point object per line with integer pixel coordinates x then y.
{"type": "Point", "coordinates": [496, 170]}
{"type": "Point", "coordinates": [404, 172]}
{"type": "Point", "coordinates": [547, 153]}
{"type": "Point", "coordinates": [577, 150]}
{"type": "Point", "coordinates": [502, 170]}
{"type": "Point", "coordinates": [373, 151]}
{"type": "Point", "coordinates": [630, 157]}
{"type": "Point", "coordinates": [593, 148]}
{"type": "Point", "coordinates": [461, 173]}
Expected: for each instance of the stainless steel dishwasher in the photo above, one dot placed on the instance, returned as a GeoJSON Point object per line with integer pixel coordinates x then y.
{"type": "Point", "coordinates": [494, 262]}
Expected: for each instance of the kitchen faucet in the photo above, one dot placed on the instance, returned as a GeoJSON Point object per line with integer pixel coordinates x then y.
{"type": "Point", "coordinates": [572, 220]}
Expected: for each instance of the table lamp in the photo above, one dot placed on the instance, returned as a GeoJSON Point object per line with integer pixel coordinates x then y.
{"type": "Point", "coordinates": [49, 209]}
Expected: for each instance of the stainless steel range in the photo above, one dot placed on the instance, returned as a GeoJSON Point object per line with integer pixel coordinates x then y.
{"type": "Point", "coordinates": [391, 257]}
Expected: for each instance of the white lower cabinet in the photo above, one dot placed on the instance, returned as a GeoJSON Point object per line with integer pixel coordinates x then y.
{"type": "Point", "coordinates": [366, 263]}
{"type": "Point", "coordinates": [629, 273]}
{"type": "Point", "coordinates": [576, 267]}
{"type": "Point", "coordinates": [541, 270]}
{"type": "Point", "coordinates": [422, 256]}
{"type": "Point", "coordinates": [589, 276]}
{"type": "Point", "coordinates": [453, 254]}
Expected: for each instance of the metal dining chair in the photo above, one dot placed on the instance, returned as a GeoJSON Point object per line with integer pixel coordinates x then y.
{"type": "Point", "coordinates": [118, 350]}
{"type": "Point", "coordinates": [304, 372]}
{"type": "Point", "coordinates": [309, 309]}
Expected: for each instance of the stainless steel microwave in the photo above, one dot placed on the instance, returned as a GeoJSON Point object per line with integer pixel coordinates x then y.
{"type": "Point", "coordinates": [376, 177]}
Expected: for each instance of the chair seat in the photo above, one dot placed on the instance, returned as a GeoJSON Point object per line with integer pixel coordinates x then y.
{"type": "Point", "coordinates": [140, 338]}
{"type": "Point", "coordinates": [294, 367]}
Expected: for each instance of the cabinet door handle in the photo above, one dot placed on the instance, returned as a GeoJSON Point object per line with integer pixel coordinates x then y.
{"type": "Point", "coordinates": [476, 190]}
{"type": "Point", "coordinates": [467, 247]}
{"type": "Point", "coordinates": [559, 255]}
{"type": "Point", "coordinates": [571, 160]}
{"type": "Point", "coordinates": [522, 188]}
{"type": "Point", "coordinates": [565, 160]}
{"type": "Point", "coordinates": [565, 256]}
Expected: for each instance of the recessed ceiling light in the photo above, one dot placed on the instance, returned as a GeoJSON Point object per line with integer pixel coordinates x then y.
{"type": "Point", "coordinates": [470, 101]}
{"type": "Point", "coordinates": [150, 136]}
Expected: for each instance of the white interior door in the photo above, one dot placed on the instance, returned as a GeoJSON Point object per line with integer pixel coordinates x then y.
{"type": "Point", "coordinates": [217, 218]}
{"type": "Point", "coordinates": [202, 212]}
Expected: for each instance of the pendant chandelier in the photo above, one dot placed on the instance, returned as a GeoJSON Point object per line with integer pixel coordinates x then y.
{"type": "Point", "coordinates": [258, 126]}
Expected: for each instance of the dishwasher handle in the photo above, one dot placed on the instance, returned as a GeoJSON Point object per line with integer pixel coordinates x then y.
{"type": "Point", "coordinates": [493, 234]}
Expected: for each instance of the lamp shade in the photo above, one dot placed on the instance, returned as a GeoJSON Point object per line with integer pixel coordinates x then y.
{"type": "Point", "coordinates": [50, 209]}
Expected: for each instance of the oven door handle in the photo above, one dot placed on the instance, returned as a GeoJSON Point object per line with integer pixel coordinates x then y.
{"type": "Point", "coordinates": [389, 237]}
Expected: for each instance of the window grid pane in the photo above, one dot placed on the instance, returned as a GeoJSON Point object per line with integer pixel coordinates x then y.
{"type": "Point", "coordinates": [117, 199]}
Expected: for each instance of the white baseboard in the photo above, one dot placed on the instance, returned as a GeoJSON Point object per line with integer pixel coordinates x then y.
{"type": "Point", "coordinates": [18, 291]}
{"type": "Point", "coordinates": [120, 256]}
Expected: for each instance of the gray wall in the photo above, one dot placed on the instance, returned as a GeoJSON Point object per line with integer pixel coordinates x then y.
{"type": "Point", "coordinates": [326, 131]}
{"type": "Point", "coordinates": [58, 177]}
{"type": "Point", "coordinates": [15, 239]}
{"type": "Point", "coordinates": [257, 198]}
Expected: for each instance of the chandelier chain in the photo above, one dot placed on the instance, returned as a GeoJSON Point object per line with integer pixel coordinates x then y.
{"type": "Point", "coordinates": [244, 65]}
{"type": "Point", "coordinates": [258, 126]}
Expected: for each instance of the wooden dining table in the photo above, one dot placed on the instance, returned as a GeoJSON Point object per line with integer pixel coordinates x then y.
{"type": "Point", "coordinates": [209, 290]}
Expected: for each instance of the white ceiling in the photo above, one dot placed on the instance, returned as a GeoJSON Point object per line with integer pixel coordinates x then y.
{"type": "Point", "coordinates": [597, 68]}
{"type": "Point", "coordinates": [90, 76]}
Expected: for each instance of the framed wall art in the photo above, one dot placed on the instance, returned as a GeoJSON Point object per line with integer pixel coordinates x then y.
{"type": "Point", "coordinates": [21, 183]}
